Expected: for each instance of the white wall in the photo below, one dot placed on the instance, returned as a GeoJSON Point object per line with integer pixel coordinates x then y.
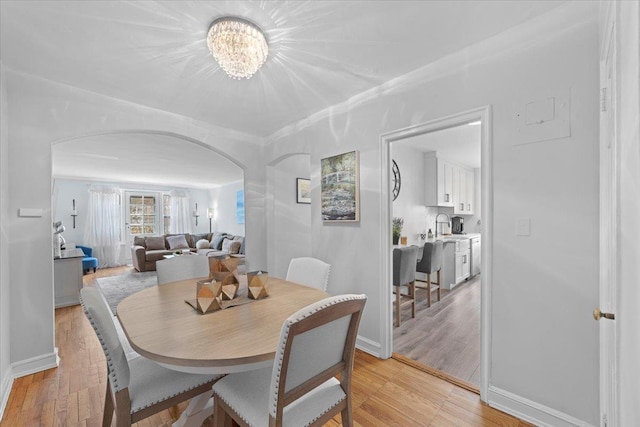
{"type": "Point", "coordinates": [6, 378]}
{"type": "Point", "coordinates": [290, 226]}
{"type": "Point", "coordinates": [410, 202]}
{"type": "Point", "coordinates": [43, 113]}
{"type": "Point", "coordinates": [544, 347]}
{"type": "Point", "coordinates": [223, 200]}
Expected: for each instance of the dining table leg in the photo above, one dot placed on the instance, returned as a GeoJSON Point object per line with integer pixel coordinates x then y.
{"type": "Point", "coordinates": [198, 410]}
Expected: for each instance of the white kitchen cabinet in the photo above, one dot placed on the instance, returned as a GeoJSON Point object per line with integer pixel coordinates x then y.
{"type": "Point", "coordinates": [456, 263]}
{"type": "Point", "coordinates": [459, 190]}
{"type": "Point", "coordinates": [463, 266]}
{"type": "Point", "coordinates": [439, 181]}
{"type": "Point", "coordinates": [471, 187]}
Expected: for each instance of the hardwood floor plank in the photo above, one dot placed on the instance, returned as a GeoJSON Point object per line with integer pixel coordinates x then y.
{"type": "Point", "coordinates": [384, 392]}
{"type": "Point", "coordinates": [445, 336]}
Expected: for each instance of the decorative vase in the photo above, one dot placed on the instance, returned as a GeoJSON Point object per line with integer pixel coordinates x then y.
{"type": "Point", "coordinates": [395, 239]}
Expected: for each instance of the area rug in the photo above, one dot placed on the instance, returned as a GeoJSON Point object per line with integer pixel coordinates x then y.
{"type": "Point", "coordinates": [117, 288]}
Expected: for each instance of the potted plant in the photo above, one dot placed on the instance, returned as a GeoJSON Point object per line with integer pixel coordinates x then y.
{"type": "Point", "coordinates": [396, 229]}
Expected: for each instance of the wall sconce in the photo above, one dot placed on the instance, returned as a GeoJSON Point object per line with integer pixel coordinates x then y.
{"type": "Point", "coordinates": [74, 213]}
{"type": "Point", "coordinates": [196, 214]}
{"type": "Point", "coordinates": [210, 213]}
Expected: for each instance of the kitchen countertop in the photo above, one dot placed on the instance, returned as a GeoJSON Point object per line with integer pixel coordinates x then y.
{"type": "Point", "coordinates": [450, 238]}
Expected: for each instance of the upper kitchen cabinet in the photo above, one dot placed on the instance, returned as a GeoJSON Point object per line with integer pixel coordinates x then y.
{"type": "Point", "coordinates": [463, 190]}
{"type": "Point", "coordinates": [448, 184]}
{"type": "Point", "coordinates": [471, 190]}
{"type": "Point", "coordinates": [439, 177]}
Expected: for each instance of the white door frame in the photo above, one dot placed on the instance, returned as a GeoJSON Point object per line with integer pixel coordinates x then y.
{"type": "Point", "coordinates": [386, 209]}
{"type": "Point", "coordinates": [608, 220]}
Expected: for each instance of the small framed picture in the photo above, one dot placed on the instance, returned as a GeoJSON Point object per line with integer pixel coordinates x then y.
{"type": "Point", "coordinates": [303, 191]}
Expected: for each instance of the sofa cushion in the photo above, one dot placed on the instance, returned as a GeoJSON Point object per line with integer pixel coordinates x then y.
{"type": "Point", "coordinates": [195, 238]}
{"type": "Point", "coordinates": [139, 241]}
{"type": "Point", "coordinates": [154, 243]}
{"type": "Point", "coordinates": [216, 240]}
{"type": "Point", "coordinates": [202, 244]}
{"type": "Point", "coordinates": [156, 255]}
{"type": "Point", "coordinates": [177, 242]}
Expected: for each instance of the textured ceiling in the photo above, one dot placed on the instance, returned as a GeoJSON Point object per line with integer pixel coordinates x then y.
{"type": "Point", "coordinates": [154, 53]}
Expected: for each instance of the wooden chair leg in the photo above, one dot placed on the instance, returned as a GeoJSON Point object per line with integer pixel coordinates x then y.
{"type": "Point", "coordinates": [347, 415]}
{"type": "Point", "coordinates": [397, 305]}
{"type": "Point", "coordinates": [412, 287]}
{"type": "Point", "coordinates": [107, 416]}
{"type": "Point", "coordinates": [428, 290]}
{"type": "Point", "coordinates": [439, 285]}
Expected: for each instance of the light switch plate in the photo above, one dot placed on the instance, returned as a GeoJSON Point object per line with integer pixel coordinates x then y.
{"type": "Point", "coordinates": [523, 227]}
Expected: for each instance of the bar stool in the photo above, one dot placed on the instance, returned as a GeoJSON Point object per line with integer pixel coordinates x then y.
{"type": "Point", "coordinates": [404, 274]}
{"type": "Point", "coordinates": [431, 262]}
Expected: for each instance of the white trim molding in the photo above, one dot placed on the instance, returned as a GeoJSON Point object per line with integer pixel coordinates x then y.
{"type": "Point", "coordinates": [531, 411]}
{"type": "Point", "coordinates": [35, 364]}
{"type": "Point", "coordinates": [5, 390]}
{"type": "Point", "coordinates": [368, 346]}
{"type": "Point", "coordinates": [386, 209]}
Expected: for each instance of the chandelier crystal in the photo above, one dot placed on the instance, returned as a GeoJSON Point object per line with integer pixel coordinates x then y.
{"type": "Point", "coordinates": [238, 45]}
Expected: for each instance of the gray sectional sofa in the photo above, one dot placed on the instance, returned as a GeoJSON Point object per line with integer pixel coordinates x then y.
{"type": "Point", "coordinates": [147, 250]}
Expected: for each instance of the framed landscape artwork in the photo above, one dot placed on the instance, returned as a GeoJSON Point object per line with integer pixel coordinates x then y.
{"type": "Point", "coordinates": [340, 187]}
{"type": "Point", "coordinates": [303, 191]}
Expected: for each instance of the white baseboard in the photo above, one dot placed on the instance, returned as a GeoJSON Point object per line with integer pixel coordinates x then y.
{"type": "Point", "coordinates": [5, 389]}
{"type": "Point", "coordinates": [531, 411]}
{"type": "Point", "coordinates": [368, 346]}
{"type": "Point", "coordinates": [35, 364]}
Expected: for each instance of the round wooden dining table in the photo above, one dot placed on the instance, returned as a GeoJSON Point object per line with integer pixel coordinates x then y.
{"type": "Point", "coordinates": [161, 326]}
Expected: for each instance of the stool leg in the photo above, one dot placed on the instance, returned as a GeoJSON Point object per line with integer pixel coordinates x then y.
{"type": "Point", "coordinates": [412, 286]}
{"type": "Point", "coordinates": [397, 305]}
{"type": "Point", "coordinates": [428, 290]}
{"type": "Point", "coordinates": [439, 285]}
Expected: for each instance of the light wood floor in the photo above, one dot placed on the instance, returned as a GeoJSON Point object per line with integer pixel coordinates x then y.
{"type": "Point", "coordinates": [385, 392]}
{"type": "Point", "coordinates": [445, 336]}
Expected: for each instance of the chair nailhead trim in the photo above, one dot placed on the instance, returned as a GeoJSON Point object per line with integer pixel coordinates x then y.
{"type": "Point", "coordinates": [287, 327]}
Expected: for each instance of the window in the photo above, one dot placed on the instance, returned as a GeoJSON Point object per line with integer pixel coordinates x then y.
{"type": "Point", "coordinates": [166, 209]}
{"type": "Point", "coordinates": [142, 214]}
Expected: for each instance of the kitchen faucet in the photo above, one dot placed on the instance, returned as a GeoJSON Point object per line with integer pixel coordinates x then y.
{"type": "Point", "coordinates": [441, 222]}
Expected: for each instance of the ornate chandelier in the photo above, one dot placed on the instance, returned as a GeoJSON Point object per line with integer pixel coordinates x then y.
{"type": "Point", "coordinates": [238, 45]}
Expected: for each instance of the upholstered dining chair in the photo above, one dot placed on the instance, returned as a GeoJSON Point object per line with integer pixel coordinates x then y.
{"type": "Point", "coordinates": [309, 271]}
{"type": "Point", "coordinates": [316, 344]}
{"type": "Point", "coordinates": [431, 262]}
{"type": "Point", "coordinates": [182, 267]}
{"type": "Point", "coordinates": [139, 387]}
{"type": "Point", "coordinates": [404, 274]}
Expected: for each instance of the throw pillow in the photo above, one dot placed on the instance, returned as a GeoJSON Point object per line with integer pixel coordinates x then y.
{"type": "Point", "coordinates": [154, 243]}
{"type": "Point", "coordinates": [177, 242]}
{"type": "Point", "coordinates": [234, 248]}
{"type": "Point", "coordinates": [202, 244]}
{"type": "Point", "coordinates": [226, 245]}
{"type": "Point", "coordinates": [216, 241]}
{"type": "Point", "coordinates": [241, 240]}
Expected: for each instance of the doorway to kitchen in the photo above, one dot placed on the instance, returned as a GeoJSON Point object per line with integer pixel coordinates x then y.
{"type": "Point", "coordinates": [443, 201]}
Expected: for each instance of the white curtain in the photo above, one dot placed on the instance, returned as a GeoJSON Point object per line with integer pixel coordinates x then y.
{"type": "Point", "coordinates": [104, 224]}
{"type": "Point", "coordinates": [180, 215]}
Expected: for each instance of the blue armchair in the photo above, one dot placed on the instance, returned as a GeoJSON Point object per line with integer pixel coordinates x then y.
{"type": "Point", "coordinates": [88, 262]}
